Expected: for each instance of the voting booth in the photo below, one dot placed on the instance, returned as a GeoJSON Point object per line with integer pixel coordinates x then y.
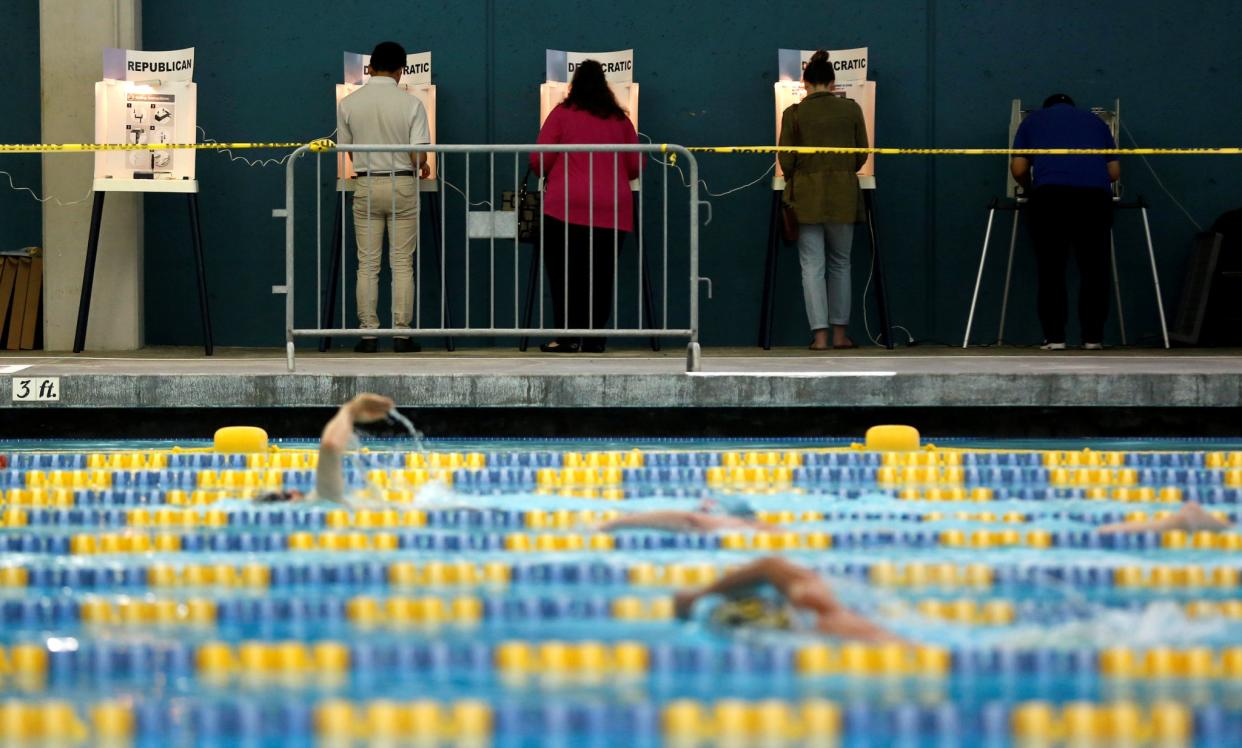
{"type": "Point", "coordinates": [145, 99]}
{"type": "Point", "coordinates": [618, 71]}
{"type": "Point", "coordinates": [618, 65]}
{"type": "Point", "coordinates": [415, 81]}
{"type": "Point", "coordinates": [1015, 200]}
{"type": "Point", "coordinates": [850, 67]}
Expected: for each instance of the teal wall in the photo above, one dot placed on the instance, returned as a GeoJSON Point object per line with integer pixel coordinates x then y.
{"type": "Point", "coordinates": [945, 73]}
{"type": "Point", "coordinates": [21, 223]}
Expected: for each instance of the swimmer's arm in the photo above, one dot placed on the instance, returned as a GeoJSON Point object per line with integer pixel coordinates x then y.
{"type": "Point", "coordinates": [330, 473]}
{"type": "Point", "coordinates": [667, 520]}
{"type": "Point", "coordinates": [777, 572]}
{"type": "Point", "coordinates": [1191, 517]}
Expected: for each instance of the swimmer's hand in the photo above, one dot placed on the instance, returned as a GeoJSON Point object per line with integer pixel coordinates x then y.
{"type": "Point", "coordinates": [329, 474]}
{"type": "Point", "coordinates": [368, 407]}
{"type": "Point", "coordinates": [683, 602]}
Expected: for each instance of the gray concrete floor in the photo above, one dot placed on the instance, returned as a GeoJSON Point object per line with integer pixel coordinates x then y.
{"type": "Point", "coordinates": [731, 377]}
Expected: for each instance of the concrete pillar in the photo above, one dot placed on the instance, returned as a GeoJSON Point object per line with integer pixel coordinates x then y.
{"type": "Point", "coordinates": [72, 37]}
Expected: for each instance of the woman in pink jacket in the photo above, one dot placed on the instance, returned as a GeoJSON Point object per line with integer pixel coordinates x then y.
{"type": "Point", "coordinates": [588, 207]}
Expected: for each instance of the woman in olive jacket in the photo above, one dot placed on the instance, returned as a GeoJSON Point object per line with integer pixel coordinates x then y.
{"type": "Point", "coordinates": [822, 189]}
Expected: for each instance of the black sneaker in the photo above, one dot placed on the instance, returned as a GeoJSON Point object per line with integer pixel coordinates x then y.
{"type": "Point", "coordinates": [367, 345]}
{"type": "Point", "coordinates": [405, 345]}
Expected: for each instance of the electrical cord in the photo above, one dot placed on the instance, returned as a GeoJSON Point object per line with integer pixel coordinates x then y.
{"type": "Point", "coordinates": [49, 198]}
{"type": "Point", "coordinates": [1159, 181]}
{"type": "Point", "coordinates": [867, 323]}
{"type": "Point", "coordinates": [259, 162]}
{"type": "Point", "coordinates": [458, 190]}
{"type": "Point", "coordinates": [707, 190]}
{"type": "Point", "coordinates": [205, 139]}
{"type": "Point", "coordinates": [910, 339]}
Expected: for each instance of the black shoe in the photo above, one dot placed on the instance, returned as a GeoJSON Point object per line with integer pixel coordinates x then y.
{"type": "Point", "coordinates": [594, 345]}
{"type": "Point", "coordinates": [405, 345]}
{"type": "Point", "coordinates": [557, 346]}
{"type": "Point", "coordinates": [367, 345]}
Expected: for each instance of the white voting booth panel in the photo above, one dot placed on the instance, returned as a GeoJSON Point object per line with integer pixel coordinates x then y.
{"type": "Point", "coordinates": [426, 94]}
{"type": "Point", "coordinates": [862, 92]}
{"type": "Point", "coordinates": [851, 83]}
{"type": "Point", "coordinates": [552, 93]}
{"type": "Point", "coordinates": [1113, 120]}
{"type": "Point", "coordinates": [146, 98]}
{"type": "Point", "coordinates": [416, 81]}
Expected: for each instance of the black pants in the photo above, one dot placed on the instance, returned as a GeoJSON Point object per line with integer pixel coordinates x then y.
{"type": "Point", "coordinates": [588, 275]}
{"type": "Point", "coordinates": [1077, 218]}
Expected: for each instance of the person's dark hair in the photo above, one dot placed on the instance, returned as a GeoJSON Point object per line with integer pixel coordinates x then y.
{"type": "Point", "coordinates": [818, 70]}
{"type": "Point", "coordinates": [1058, 98]}
{"type": "Point", "coordinates": [589, 92]}
{"type": "Point", "coordinates": [387, 57]}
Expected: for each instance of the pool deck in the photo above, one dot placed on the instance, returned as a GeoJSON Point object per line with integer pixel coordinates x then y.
{"type": "Point", "coordinates": [731, 378]}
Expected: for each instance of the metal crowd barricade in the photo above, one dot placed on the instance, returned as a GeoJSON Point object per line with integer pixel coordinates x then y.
{"type": "Point", "coordinates": [498, 229]}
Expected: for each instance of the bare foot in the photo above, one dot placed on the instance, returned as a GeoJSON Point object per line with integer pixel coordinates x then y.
{"type": "Point", "coordinates": [840, 339]}
{"type": "Point", "coordinates": [820, 341]}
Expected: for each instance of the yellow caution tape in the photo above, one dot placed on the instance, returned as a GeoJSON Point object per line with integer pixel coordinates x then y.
{"type": "Point", "coordinates": [323, 144]}
{"type": "Point", "coordinates": [970, 151]}
{"type": "Point", "coordinates": [88, 147]}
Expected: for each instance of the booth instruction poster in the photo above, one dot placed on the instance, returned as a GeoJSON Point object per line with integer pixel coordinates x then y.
{"type": "Point", "coordinates": [146, 98]}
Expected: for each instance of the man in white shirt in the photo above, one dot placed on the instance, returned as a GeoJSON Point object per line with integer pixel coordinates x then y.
{"type": "Point", "coordinates": [386, 190]}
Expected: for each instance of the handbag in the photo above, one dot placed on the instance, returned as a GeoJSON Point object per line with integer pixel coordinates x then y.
{"type": "Point", "coordinates": [789, 224]}
{"type": "Point", "coordinates": [789, 218]}
{"type": "Point", "coordinates": [529, 206]}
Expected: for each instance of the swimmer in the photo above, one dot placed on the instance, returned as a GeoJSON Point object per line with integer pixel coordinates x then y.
{"type": "Point", "coordinates": [773, 593]}
{"type": "Point", "coordinates": [726, 513]}
{"type": "Point", "coordinates": [336, 439]}
{"type": "Point", "coordinates": [1191, 518]}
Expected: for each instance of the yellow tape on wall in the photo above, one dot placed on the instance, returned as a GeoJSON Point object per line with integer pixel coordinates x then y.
{"type": "Point", "coordinates": [325, 145]}
{"type": "Point", "coordinates": [972, 151]}
{"type": "Point", "coordinates": [89, 147]}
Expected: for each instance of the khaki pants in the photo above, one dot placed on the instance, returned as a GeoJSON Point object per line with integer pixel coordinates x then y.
{"type": "Point", "coordinates": [391, 201]}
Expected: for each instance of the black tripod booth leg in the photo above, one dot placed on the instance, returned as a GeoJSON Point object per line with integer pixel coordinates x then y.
{"type": "Point", "coordinates": [436, 237]}
{"type": "Point", "coordinates": [877, 265]}
{"type": "Point", "coordinates": [88, 273]}
{"type": "Point", "coordinates": [196, 231]}
{"type": "Point", "coordinates": [768, 304]}
{"type": "Point", "coordinates": [334, 272]}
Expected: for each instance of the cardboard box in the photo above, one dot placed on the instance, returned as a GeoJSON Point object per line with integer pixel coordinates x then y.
{"type": "Point", "coordinates": [34, 291]}
{"type": "Point", "coordinates": [17, 310]}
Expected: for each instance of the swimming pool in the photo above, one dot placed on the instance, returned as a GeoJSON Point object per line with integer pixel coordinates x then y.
{"type": "Point", "coordinates": [473, 600]}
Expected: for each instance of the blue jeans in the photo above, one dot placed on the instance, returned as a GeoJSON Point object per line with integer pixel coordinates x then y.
{"type": "Point", "coordinates": [826, 305]}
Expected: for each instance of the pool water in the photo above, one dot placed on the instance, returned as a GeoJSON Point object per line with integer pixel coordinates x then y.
{"type": "Point", "coordinates": [468, 596]}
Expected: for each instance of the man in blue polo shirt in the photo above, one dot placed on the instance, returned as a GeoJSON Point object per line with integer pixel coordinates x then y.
{"type": "Point", "coordinates": [1071, 205]}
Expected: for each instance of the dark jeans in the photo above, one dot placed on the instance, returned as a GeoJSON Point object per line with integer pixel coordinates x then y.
{"type": "Point", "coordinates": [1077, 218]}
{"type": "Point", "coordinates": [589, 275]}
